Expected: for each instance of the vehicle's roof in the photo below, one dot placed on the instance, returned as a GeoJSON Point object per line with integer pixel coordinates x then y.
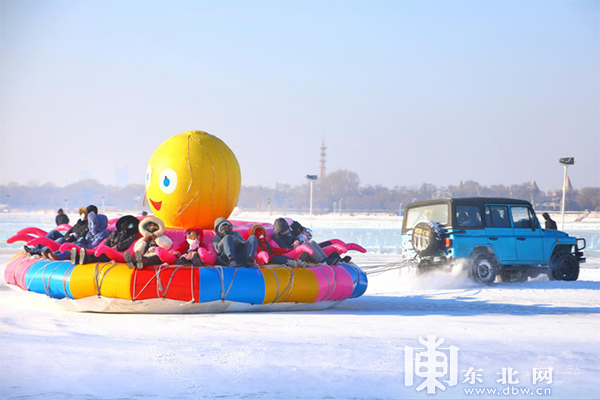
{"type": "Point", "coordinates": [473, 200]}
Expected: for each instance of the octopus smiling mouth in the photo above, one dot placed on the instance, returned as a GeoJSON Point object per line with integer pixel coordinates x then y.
{"type": "Point", "coordinates": [156, 204]}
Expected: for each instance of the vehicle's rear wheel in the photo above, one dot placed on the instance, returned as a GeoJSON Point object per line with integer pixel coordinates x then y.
{"type": "Point", "coordinates": [483, 269]}
{"type": "Point", "coordinates": [564, 267]}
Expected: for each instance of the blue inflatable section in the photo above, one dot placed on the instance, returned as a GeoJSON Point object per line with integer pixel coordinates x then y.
{"type": "Point", "coordinates": [50, 277]}
{"type": "Point", "coordinates": [247, 286]}
{"type": "Point", "coordinates": [359, 279]}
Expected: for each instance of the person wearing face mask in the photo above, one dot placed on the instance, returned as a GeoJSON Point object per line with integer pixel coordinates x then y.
{"type": "Point", "coordinates": [121, 239]}
{"type": "Point", "coordinates": [232, 249]}
{"type": "Point", "coordinates": [191, 256]}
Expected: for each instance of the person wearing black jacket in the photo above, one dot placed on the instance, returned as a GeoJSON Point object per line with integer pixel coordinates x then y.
{"type": "Point", "coordinates": [61, 217]}
{"type": "Point", "coordinates": [550, 223]}
{"type": "Point", "coordinates": [77, 231]}
{"type": "Point", "coordinates": [121, 239]}
{"type": "Point", "coordinates": [283, 235]}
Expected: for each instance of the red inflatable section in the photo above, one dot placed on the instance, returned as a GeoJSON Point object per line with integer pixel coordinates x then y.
{"type": "Point", "coordinates": [176, 283]}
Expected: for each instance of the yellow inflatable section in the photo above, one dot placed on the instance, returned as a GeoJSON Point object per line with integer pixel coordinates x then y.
{"type": "Point", "coordinates": [192, 179]}
{"type": "Point", "coordinates": [112, 280]}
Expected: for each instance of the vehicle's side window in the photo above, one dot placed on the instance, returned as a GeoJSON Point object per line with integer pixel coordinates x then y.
{"type": "Point", "coordinates": [521, 217]}
{"type": "Point", "coordinates": [497, 216]}
{"type": "Point", "coordinates": [468, 216]}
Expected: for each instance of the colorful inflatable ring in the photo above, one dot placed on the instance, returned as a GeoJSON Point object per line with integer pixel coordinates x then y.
{"type": "Point", "coordinates": [113, 287]}
{"type": "Point", "coordinates": [168, 288]}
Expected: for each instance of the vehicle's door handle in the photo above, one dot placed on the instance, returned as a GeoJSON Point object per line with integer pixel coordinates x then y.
{"type": "Point", "coordinates": [493, 238]}
{"type": "Point", "coordinates": [521, 238]}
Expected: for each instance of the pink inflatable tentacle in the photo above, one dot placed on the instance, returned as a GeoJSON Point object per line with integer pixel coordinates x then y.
{"type": "Point", "coordinates": [166, 256]}
{"type": "Point", "coordinates": [304, 248]}
{"type": "Point", "coordinates": [340, 248]}
{"type": "Point", "coordinates": [20, 238]}
{"type": "Point", "coordinates": [262, 258]}
{"type": "Point", "coordinates": [63, 227]}
{"type": "Point", "coordinates": [208, 256]}
{"type": "Point", "coordinates": [355, 247]}
{"type": "Point", "coordinates": [112, 253]}
{"type": "Point", "coordinates": [51, 244]}
{"type": "Point", "coordinates": [329, 249]}
{"type": "Point", "coordinates": [32, 230]}
{"type": "Point", "coordinates": [66, 247]}
{"type": "Point", "coordinates": [297, 252]}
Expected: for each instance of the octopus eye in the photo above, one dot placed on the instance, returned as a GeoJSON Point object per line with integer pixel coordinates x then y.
{"type": "Point", "coordinates": [168, 181]}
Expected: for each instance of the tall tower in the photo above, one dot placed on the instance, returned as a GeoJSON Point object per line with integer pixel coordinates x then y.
{"type": "Point", "coordinates": [323, 159]}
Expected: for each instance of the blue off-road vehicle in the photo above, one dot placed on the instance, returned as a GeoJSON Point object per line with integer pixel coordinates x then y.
{"type": "Point", "coordinates": [487, 237]}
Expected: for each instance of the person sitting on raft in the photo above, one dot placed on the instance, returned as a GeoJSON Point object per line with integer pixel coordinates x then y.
{"type": "Point", "coordinates": [61, 218]}
{"type": "Point", "coordinates": [260, 232]}
{"type": "Point", "coordinates": [121, 239]}
{"type": "Point", "coordinates": [146, 249]}
{"type": "Point", "coordinates": [97, 232]}
{"type": "Point", "coordinates": [79, 230]}
{"type": "Point", "coordinates": [191, 256]}
{"type": "Point", "coordinates": [231, 248]}
{"type": "Point", "coordinates": [283, 236]}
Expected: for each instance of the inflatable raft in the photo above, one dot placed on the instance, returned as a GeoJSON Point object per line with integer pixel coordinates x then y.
{"type": "Point", "coordinates": [114, 287]}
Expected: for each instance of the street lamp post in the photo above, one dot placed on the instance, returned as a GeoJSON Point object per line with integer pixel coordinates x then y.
{"type": "Point", "coordinates": [8, 202]}
{"type": "Point", "coordinates": [566, 161]}
{"type": "Point", "coordinates": [340, 208]}
{"type": "Point", "coordinates": [311, 178]}
{"type": "Point", "coordinates": [103, 205]}
{"type": "Point", "coordinates": [400, 210]}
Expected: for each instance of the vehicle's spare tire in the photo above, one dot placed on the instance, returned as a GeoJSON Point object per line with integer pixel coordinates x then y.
{"type": "Point", "coordinates": [426, 238]}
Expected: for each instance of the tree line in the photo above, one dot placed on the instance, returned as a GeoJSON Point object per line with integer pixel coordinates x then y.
{"type": "Point", "coordinates": [338, 187]}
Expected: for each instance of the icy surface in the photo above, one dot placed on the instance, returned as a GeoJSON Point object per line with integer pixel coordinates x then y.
{"type": "Point", "coordinates": [355, 350]}
{"type": "Point", "coordinates": [352, 351]}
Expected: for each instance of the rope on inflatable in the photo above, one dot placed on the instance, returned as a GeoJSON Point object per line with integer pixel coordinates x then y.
{"type": "Point", "coordinates": [276, 282]}
{"type": "Point", "coordinates": [47, 287]}
{"type": "Point", "coordinates": [169, 283]}
{"type": "Point", "coordinates": [68, 273]}
{"type": "Point", "coordinates": [98, 282]}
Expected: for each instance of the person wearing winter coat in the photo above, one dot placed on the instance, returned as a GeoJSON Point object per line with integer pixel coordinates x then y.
{"type": "Point", "coordinates": [260, 232]}
{"type": "Point", "coordinates": [549, 223]}
{"type": "Point", "coordinates": [98, 230]}
{"type": "Point", "coordinates": [78, 231]}
{"type": "Point", "coordinates": [231, 248]}
{"type": "Point", "coordinates": [61, 218]}
{"type": "Point", "coordinates": [121, 239]}
{"type": "Point", "coordinates": [152, 230]}
{"type": "Point", "coordinates": [191, 255]}
{"type": "Point", "coordinates": [285, 238]}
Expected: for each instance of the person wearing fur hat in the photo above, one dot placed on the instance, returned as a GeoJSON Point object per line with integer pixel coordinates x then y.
{"type": "Point", "coordinates": [231, 247]}
{"type": "Point", "coordinates": [152, 230]}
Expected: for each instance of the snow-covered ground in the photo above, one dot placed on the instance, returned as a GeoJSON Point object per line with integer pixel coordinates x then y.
{"type": "Point", "coordinates": [353, 351]}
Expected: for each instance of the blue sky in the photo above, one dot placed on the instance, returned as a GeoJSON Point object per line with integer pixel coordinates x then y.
{"type": "Point", "coordinates": [402, 92]}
